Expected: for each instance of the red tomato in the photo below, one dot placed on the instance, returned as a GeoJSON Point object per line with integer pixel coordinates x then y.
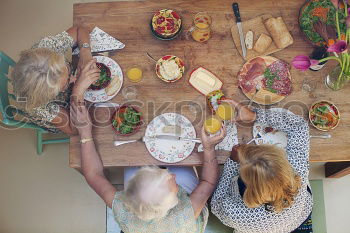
{"type": "Point", "coordinates": [160, 20]}
{"type": "Point", "coordinates": [181, 63]}
{"type": "Point", "coordinates": [169, 27]}
{"type": "Point", "coordinates": [170, 21]}
{"type": "Point", "coordinates": [176, 16]}
{"type": "Point", "coordinates": [166, 58]}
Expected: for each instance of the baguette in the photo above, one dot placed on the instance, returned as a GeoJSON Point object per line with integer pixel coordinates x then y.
{"type": "Point", "coordinates": [249, 40]}
{"type": "Point", "coordinates": [279, 32]}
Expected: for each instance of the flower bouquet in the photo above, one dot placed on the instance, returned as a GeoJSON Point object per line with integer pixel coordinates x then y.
{"type": "Point", "coordinates": [338, 46]}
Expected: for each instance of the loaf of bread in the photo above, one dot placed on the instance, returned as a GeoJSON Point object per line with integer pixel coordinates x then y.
{"type": "Point", "coordinates": [263, 42]}
{"type": "Point", "coordinates": [279, 32]}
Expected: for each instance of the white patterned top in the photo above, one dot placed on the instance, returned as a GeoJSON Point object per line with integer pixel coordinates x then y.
{"type": "Point", "coordinates": [227, 203]}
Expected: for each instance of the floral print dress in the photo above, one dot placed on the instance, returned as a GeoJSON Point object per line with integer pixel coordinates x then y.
{"type": "Point", "coordinates": [43, 115]}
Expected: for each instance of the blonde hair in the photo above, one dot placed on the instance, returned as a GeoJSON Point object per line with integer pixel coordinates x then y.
{"type": "Point", "coordinates": [147, 194]}
{"type": "Point", "coordinates": [36, 76]}
{"type": "Point", "coordinates": [268, 176]}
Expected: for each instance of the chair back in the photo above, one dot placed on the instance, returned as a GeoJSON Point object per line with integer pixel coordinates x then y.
{"type": "Point", "coordinates": [6, 110]}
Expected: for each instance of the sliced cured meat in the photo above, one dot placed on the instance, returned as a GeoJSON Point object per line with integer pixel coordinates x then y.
{"type": "Point", "coordinates": [278, 80]}
{"type": "Point", "coordinates": [251, 74]}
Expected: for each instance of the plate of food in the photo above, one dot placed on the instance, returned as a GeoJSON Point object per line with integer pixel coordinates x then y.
{"type": "Point", "coordinates": [127, 120]}
{"type": "Point", "coordinates": [166, 24]}
{"type": "Point", "coordinates": [322, 11]}
{"type": "Point", "coordinates": [213, 99]}
{"type": "Point", "coordinates": [109, 83]}
{"type": "Point", "coordinates": [265, 80]}
{"type": "Point", "coordinates": [170, 68]}
{"type": "Point", "coordinates": [170, 151]}
{"type": "Point", "coordinates": [265, 134]}
{"type": "Point", "coordinates": [324, 115]}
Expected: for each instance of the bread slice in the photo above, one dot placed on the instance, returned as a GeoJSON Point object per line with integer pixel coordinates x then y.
{"type": "Point", "coordinates": [249, 40]}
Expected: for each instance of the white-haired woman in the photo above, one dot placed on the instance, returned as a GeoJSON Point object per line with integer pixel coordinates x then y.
{"type": "Point", "coordinates": [264, 189]}
{"type": "Point", "coordinates": [42, 77]}
{"type": "Point", "coordinates": [152, 200]}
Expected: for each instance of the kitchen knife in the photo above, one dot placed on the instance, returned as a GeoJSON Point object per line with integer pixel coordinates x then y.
{"type": "Point", "coordinates": [239, 26]}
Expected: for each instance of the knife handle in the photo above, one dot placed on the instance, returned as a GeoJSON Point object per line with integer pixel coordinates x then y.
{"type": "Point", "coordinates": [236, 11]}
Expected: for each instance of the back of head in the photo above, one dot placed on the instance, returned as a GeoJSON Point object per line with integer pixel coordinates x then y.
{"type": "Point", "coordinates": [268, 176]}
{"type": "Point", "coordinates": [147, 194]}
{"type": "Point", "coordinates": [36, 76]}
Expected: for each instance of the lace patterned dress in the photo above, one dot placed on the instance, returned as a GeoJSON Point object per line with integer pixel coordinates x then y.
{"type": "Point", "coordinates": [227, 203]}
{"type": "Point", "coordinates": [180, 219]}
{"type": "Point", "coordinates": [43, 115]}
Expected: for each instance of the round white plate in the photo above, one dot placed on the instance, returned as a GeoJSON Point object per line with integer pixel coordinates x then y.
{"type": "Point", "coordinates": [275, 137]}
{"type": "Point", "coordinates": [169, 151]}
{"type": "Point", "coordinates": [97, 96]}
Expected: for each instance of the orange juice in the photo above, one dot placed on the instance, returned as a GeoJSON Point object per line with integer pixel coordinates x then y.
{"type": "Point", "coordinates": [212, 125]}
{"type": "Point", "coordinates": [201, 31]}
{"type": "Point", "coordinates": [225, 111]}
{"type": "Point", "coordinates": [134, 74]}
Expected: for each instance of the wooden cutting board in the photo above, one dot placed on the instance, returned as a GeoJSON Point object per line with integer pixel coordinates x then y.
{"type": "Point", "coordinates": [256, 25]}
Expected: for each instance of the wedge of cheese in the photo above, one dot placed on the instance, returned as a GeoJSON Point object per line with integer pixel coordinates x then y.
{"type": "Point", "coordinates": [204, 81]}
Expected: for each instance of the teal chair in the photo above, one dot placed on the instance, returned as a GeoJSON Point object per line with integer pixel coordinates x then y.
{"type": "Point", "coordinates": [8, 111]}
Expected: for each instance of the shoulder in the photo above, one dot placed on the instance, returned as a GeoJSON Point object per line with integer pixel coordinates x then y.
{"type": "Point", "coordinates": [59, 43]}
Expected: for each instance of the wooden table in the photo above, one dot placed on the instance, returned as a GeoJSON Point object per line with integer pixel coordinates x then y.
{"type": "Point", "coordinates": [129, 22]}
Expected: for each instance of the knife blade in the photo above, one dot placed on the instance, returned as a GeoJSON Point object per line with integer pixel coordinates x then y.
{"type": "Point", "coordinates": [240, 29]}
{"type": "Point", "coordinates": [175, 138]}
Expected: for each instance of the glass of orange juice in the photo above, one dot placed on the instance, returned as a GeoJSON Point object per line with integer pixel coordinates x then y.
{"type": "Point", "coordinates": [201, 30]}
{"type": "Point", "coordinates": [212, 125]}
{"type": "Point", "coordinates": [225, 112]}
{"type": "Point", "coordinates": [134, 74]}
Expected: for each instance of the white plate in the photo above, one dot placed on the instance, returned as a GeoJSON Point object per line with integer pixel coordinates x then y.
{"type": "Point", "coordinates": [96, 96]}
{"type": "Point", "coordinates": [275, 137]}
{"type": "Point", "coordinates": [170, 151]}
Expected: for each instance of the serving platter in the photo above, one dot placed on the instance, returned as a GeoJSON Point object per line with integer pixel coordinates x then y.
{"type": "Point", "coordinates": [104, 95]}
{"type": "Point", "coordinates": [260, 95]}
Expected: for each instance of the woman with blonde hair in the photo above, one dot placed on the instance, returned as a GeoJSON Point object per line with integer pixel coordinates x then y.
{"type": "Point", "coordinates": [42, 79]}
{"type": "Point", "coordinates": [264, 188]}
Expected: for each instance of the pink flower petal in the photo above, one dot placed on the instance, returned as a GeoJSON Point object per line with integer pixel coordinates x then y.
{"type": "Point", "coordinates": [338, 47]}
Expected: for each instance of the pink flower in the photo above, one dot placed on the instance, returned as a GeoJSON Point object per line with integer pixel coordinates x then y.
{"type": "Point", "coordinates": [303, 62]}
{"type": "Point", "coordinates": [338, 47]}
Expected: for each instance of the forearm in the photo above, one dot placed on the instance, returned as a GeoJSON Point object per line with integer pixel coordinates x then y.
{"type": "Point", "coordinates": [90, 160]}
{"type": "Point", "coordinates": [207, 184]}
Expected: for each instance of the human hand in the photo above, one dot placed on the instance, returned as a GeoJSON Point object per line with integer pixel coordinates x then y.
{"type": "Point", "coordinates": [80, 118]}
{"type": "Point", "coordinates": [84, 57]}
{"type": "Point", "coordinates": [89, 75]}
{"type": "Point", "coordinates": [243, 112]}
{"type": "Point", "coordinates": [210, 142]}
{"type": "Point", "coordinates": [234, 153]}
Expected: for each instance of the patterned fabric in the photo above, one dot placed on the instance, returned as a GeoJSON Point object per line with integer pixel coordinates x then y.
{"type": "Point", "coordinates": [227, 203]}
{"type": "Point", "coordinates": [43, 115]}
{"type": "Point", "coordinates": [180, 219]}
{"type": "Point", "coordinates": [306, 227]}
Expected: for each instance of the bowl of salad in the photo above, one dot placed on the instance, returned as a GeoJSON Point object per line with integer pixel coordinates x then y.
{"type": "Point", "coordinates": [324, 115]}
{"type": "Point", "coordinates": [105, 77]}
{"type": "Point", "coordinates": [127, 120]}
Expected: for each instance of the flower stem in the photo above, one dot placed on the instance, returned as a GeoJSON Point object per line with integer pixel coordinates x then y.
{"type": "Point", "coordinates": [337, 20]}
{"type": "Point", "coordinates": [330, 58]}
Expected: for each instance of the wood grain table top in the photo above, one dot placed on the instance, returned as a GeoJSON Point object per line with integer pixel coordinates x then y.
{"type": "Point", "coordinates": [129, 22]}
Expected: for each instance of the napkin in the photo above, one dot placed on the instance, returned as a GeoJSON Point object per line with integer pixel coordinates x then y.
{"type": "Point", "coordinates": [101, 41]}
{"type": "Point", "coordinates": [229, 141]}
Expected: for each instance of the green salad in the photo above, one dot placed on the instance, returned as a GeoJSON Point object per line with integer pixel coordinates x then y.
{"type": "Point", "coordinates": [126, 120]}
{"type": "Point", "coordinates": [324, 11]}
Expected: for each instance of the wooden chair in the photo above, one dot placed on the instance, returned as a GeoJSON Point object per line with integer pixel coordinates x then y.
{"type": "Point", "coordinates": [9, 111]}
